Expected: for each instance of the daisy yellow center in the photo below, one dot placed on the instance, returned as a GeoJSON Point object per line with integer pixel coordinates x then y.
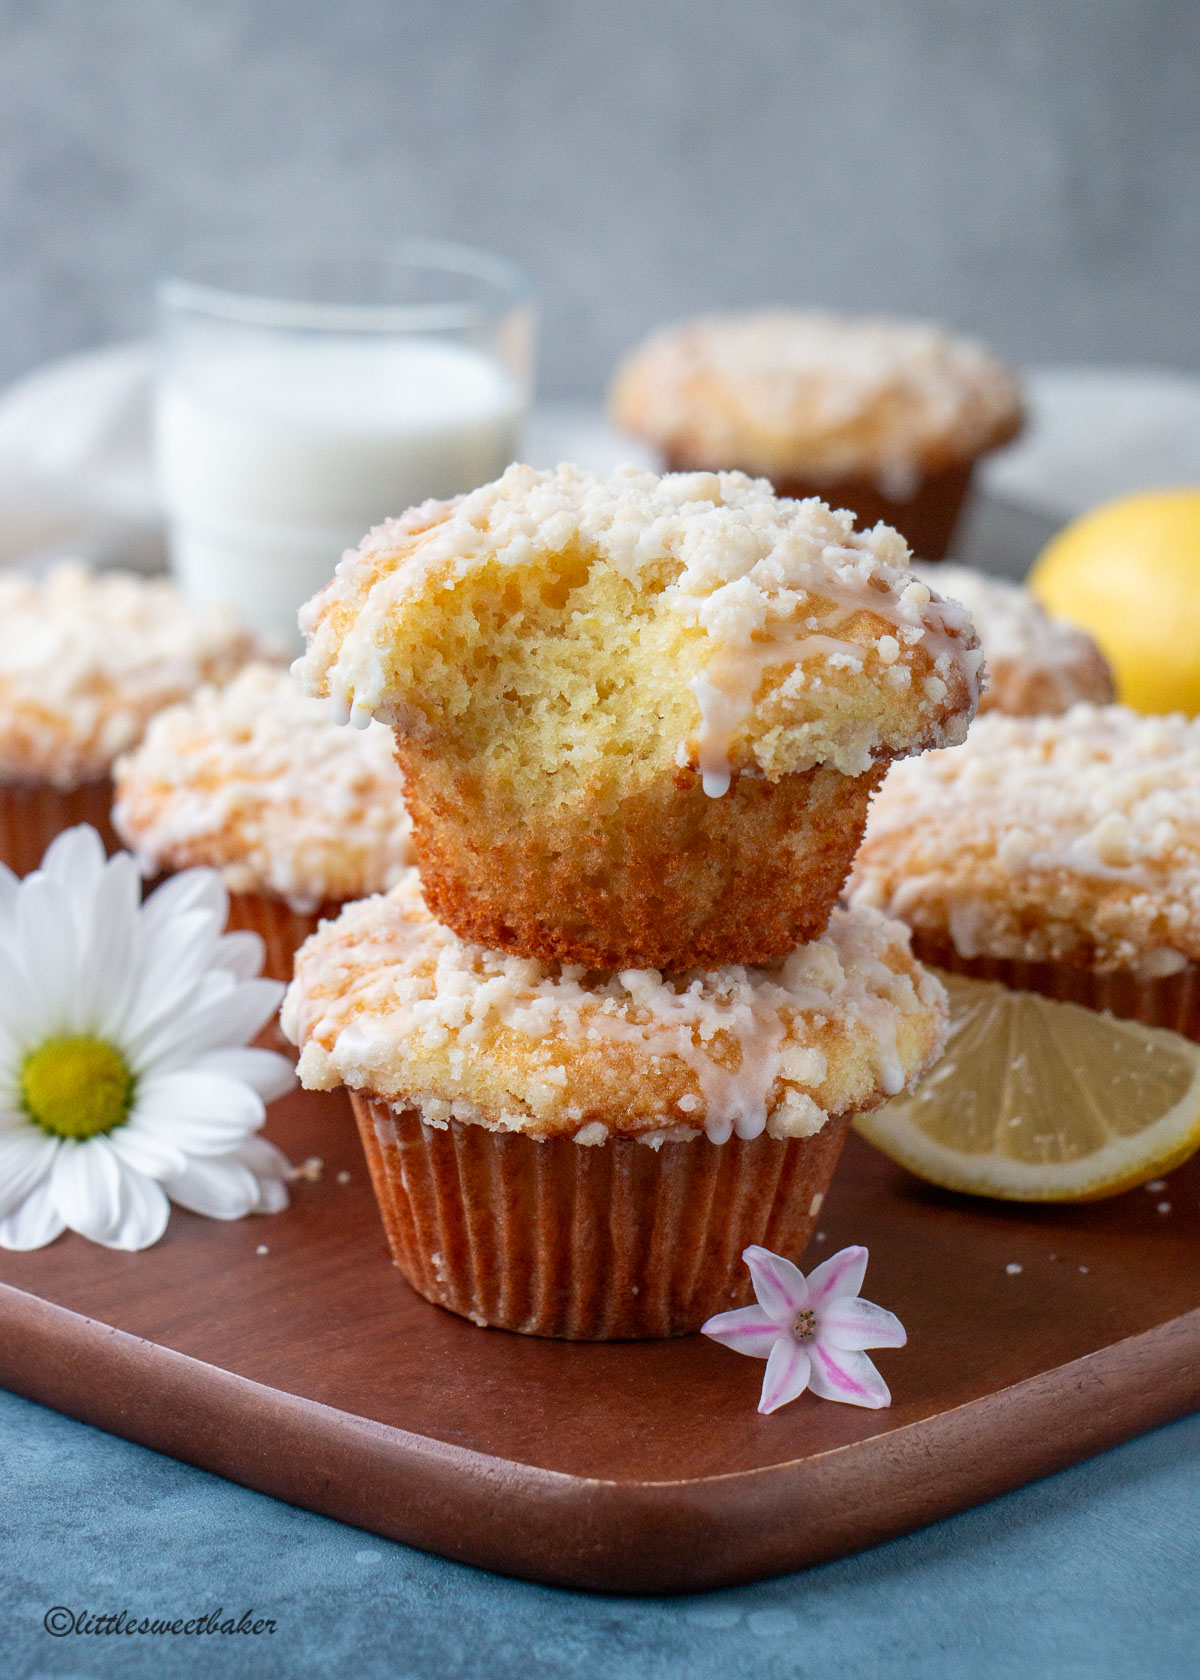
{"type": "Point", "coordinates": [806, 1324]}
{"type": "Point", "coordinates": [76, 1087]}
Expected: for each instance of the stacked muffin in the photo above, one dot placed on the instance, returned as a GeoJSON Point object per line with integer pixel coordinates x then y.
{"type": "Point", "coordinates": [616, 1028]}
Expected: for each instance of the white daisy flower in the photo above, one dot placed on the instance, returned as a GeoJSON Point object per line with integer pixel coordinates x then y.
{"type": "Point", "coordinates": [126, 1072]}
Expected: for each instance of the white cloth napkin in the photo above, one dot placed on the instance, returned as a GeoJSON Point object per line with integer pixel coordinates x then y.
{"type": "Point", "coordinates": [76, 475]}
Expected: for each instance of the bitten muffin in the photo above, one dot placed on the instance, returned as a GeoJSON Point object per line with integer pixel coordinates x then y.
{"type": "Point", "coordinates": [884, 417]}
{"type": "Point", "coordinates": [640, 719]}
{"type": "Point", "coordinates": [1035, 663]}
{"type": "Point", "coordinates": [586, 1155]}
{"type": "Point", "coordinates": [1057, 854]}
{"type": "Point", "coordinates": [86, 659]}
{"type": "Point", "coordinates": [257, 781]}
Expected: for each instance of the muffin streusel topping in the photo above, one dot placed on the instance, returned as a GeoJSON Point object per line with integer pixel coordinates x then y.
{"type": "Point", "coordinates": [254, 779]}
{"type": "Point", "coordinates": [810, 393]}
{"type": "Point", "coordinates": [86, 660]}
{"type": "Point", "coordinates": [757, 584]}
{"type": "Point", "coordinates": [1072, 839]}
{"type": "Point", "coordinates": [389, 1001]}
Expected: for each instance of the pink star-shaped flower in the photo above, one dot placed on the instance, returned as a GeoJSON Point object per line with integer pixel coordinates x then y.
{"type": "Point", "coordinates": [811, 1331]}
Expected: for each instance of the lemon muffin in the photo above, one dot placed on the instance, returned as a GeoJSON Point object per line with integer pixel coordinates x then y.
{"type": "Point", "coordinates": [255, 780]}
{"type": "Point", "coordinates": [86, 659]}
{"type": "Point", "coordinates": [1056, 854]}
{"type": "Point", "coordinates": [640, 719]}
{"type": "Point", "coordinates": [884, 417]}
{"type": "Point", "coordinates": [1035, 663]}
{"type": "Point", "coordinates": [586, 1155]}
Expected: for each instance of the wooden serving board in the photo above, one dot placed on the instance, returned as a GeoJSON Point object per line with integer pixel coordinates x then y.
{"type": "Point", "coordinates": [313, 1373]}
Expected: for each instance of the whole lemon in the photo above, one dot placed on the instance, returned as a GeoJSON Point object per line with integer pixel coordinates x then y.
{"type": "Point", "coordinates": [1129, 573]}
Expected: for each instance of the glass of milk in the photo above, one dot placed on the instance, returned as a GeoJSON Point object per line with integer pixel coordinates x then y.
{"type": "Point", "coordinates": [304, 397]}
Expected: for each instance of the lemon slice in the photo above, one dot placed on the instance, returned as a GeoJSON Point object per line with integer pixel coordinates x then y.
{"type": "Point", "coordinates": [1041, 1101]}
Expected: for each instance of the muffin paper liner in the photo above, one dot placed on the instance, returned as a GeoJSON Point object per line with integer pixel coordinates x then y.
{"type": "Point", "coordinates": [604, 1243]}
{"type": "Point", "coordinates": [32, 813]}
{"type": "Point", "coordinates": [1172, 1001]}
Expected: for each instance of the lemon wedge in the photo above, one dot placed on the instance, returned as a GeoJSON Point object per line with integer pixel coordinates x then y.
{"type": "Point", "coordinates": [1041, 1101]}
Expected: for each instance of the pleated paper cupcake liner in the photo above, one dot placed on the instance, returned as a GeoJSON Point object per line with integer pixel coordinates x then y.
{"type": "Point", "coordinates": [1173, 1001]}
{"type": "Point", "coordinates": [612, 1242]}
{"type": "Point", "coordinates": [32, 813]}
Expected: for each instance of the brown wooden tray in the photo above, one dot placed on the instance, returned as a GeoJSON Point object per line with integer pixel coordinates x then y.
{"type": "Point", "coordinates": [314, 1374]}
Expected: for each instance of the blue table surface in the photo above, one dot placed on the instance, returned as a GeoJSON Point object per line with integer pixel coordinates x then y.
{"type": "Point", "coordinates": [1091, 1574]}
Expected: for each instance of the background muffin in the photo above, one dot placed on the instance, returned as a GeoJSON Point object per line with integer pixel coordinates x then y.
{"type": "Point", "coordinates": [86, 660]}
{"type": "Point", "coordinates": [257, 781]}
{"type": "Point", "coordinates": [886, 418]}
{"type": "Point", "coordinates": [640, 719]}
{"type": "Point", "coordinates": [1058, 854]}
{"type": "Point", "coordinates": [1035, 663]}
{"type": "Point", "coordinates": [586, 1155]}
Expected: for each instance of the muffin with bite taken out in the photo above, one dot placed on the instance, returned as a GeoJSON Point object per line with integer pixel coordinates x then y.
{"type": "Point", "coordinates": [640, 719]}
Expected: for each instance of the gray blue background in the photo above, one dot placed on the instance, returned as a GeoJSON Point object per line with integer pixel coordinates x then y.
{"type": "Point", "coordinates": [1028, 169]}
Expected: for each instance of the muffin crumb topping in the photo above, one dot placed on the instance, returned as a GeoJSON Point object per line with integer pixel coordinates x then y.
{"type": "Point", "coordinates": [388, 1001]}
{"type": "Point", "coordinates": [807, 393]}
{"type": "Point", "coordinates": [87, 659]}
{"type": "Point", "coordinates": [1064, 839]}
{"type": "Point", "coordinates": [255, 779]}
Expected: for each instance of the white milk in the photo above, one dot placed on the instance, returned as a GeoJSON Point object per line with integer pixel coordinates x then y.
{"type": "Point", "coordinates": [275, 454]}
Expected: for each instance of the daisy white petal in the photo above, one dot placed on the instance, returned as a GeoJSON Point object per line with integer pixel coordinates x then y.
{"type": "Point", "coordinates": [191, 889]}
{"type": "Point", "coordinates": [86, 1181]}
{"type": "Point", "coordinates": [849, 1377]}
{"type": "Point", "coordinates": [242, 953]}
{"type": "Point", "coordinates": [171, 969]}
{"type": "Point", "coordinates": [75, 860]}
{"type": "Point", "coordinates": [779, 1286]}
{"type": "Point", "coordinates": [270, 1074]}
{"type": "Point", "coordinates": [107, 978]}
{"type": "Point", "coordinates": [842, 1274]}
{"type": "Point", "coordinates": [786, 1376]}
{"type": "Point", "coordinates": [144, 1213]}
{"type": "Point", "coordinates": [154, 1154]}
{"type": "Point", "coordinates": [221, 1188]}
{"type": "Point", "coordinates": [48, 940]}
{"type": "Point", "coordinates": [232, 1018]}
{"type": "Point", "coordinates": [34, 1222]}
{"type": "Point", "coordinates": [26, 1159]}
{"type": "Point", "coordinates": [205, 1113]}
{"type": "Point", "coordinates": [746, 1330]}
{"type": "Point", "coordinates": [270, 1167]}
{"type": "Point", "coordinates": [22, 1008]}
{"type": "Point", "coordinates": [8, 897]}
{"type": "Point", "coordinates": [855, 1324]}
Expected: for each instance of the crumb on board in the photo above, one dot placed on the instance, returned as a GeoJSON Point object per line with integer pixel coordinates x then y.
{"type": "Point", "coordinates": [1163, 1207]}
{"type": "Point", "coordinates": [343, 1177]}
{"type": "Point", "coordinates": [311, 1169]}
{"type": "Point", "coordinates": [1013, 1267]}
{"type": "Point", "coordinates": [262, 1249]}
